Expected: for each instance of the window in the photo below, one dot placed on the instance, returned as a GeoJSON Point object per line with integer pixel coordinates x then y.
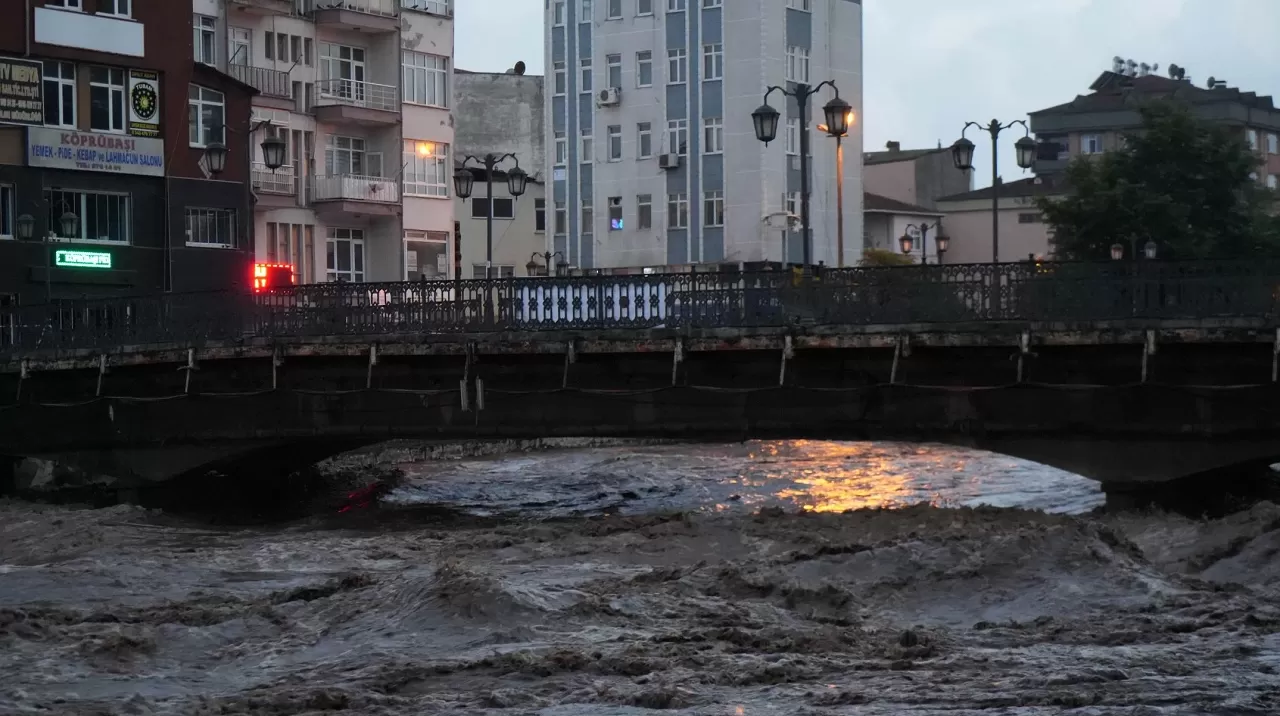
{"type": "Point", "coordinates": [713, 62]}
{"type": "Point", "coordinates": [562, 218]}
{"type": "Point", "coordinates": [308, 52]}
{"type": "Point", "coordinates": [562, 149]}
{"type": "Point", "coordinates": [678, 211]}
{"type": "Point", "coordinates": [644, 211]}
{"type": "Point", "coordinates": [793, 136]}
{"type": "Point", "coordinates": [614, 10]}
{"type": "Point", "coordinates": [540, 216]}
{"type": "Point", "coordinates": [238, 46]}
{"type": "Point", "coordinates": [1030, 218]}
{"type": "Point", "coordinates": [1091, 144]}
{"type": "Point", "coordinates": [103, 216]}
{"type": "Point", "coordinates": [800, 5]}
{"type": "Point", "coordinates": [119, 8]}
{"type": "Point", "coordinates": [60, 94]}
{"type": "Point", "coordinates": [426, 168]}
{"type": "Point", "coordinates": [644, 69]}
{"type": "Point", "coordinates": [205, 116]}
{"type": "Point", "coordinates": [678, 136]}
{"type": "Point", "coordinates": [204, 39]}
{"type": "Point", "coordinates": [1252, 135]}
{"type": "Point", "coordinates": [644, 140]}
{"type": "Point", "coordinates": [6, 211]}
{"type": "Point", "coordinates": [344, 156]}
{"type": "Point", "coordinates": [585, 65]}
{"type": "Point", "coordinates": [585, 15]}
{"type": "Point", "coordinates": [644, 7]}
{"type": "Point", "coordinates": [791, 203]}
{"type": "Point", "coordinates": [713, 208]}
{"type": "Point", "coordinates": [344, 255]}
{"type": "Point", "coordinates": [557, 13]}
{"type": "Point", "coordinates": [561, 78]}
{"type": "Point", "coordinates": [588, 143]}
{"type": "Point", "coordinates": [342, 71]}
{"type": "Point", "coordinates": [675, 5]}
{"type": "Point", "coordinates": [282, 47]}
{"type": "Point", "coordinates": [426, 79]}
{"type": "Point", "coordinates": [614, 65]}
{"type": "Point", "coordinates": [480, 271]}
{"type": "Point", "coordinates": [615, 142]}
{"type": "Point", "coordinates": [503, 207]}
{"type": "Point", "coordinates": [1273, 181]}
{"type": "Point", "coordinates": [677, 66]}
{"type": "Point", "coordinates": [213, 228]}
{"type": "Point", "coordinates": [713, 135]}
{"type": "Point", "coordinates": [106, 99]}
{"type": "Point", "coordinates": [67, 4]}
{"type": "Point", "coordinates": [712, 3]}
{"type": "Point", "coordinates": [615, 213]}
{"type": "Point", "coordinates": [588, 217]}
{"type": "Point", "coordinates": [1273, 144]}
{"type": "Point", "coordinates": [797, 64]}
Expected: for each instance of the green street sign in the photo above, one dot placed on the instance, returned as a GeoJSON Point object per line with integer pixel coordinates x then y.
{"type": "Point", "coordinates": [68, 258]}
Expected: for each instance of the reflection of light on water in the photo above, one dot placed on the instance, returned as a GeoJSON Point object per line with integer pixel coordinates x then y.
{"type": "Point", "coordinates": [847, 476]}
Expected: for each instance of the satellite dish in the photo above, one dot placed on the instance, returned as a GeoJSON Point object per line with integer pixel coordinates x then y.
{"type": "Point", "coordinates": [520, 67]}
{"type": "Point", "coordinates": [1155, 67]}
{"type": "Point", "coordinates": [1212, 83]}
{"type": "Point", "coordinates": [1117, 64]}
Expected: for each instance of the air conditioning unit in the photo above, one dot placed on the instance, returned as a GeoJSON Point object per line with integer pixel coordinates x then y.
{"type": "Point", "coordinates": [669, 161]}
{"type": "Point", "coordinates": [609, 97]}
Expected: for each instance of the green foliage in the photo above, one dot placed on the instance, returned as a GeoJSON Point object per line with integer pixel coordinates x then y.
{"type": "Point", "coordinates": [1179, 181]}
{"type": "Point", "coordinates": [884, 257]}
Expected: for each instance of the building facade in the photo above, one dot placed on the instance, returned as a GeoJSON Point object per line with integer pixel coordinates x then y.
{"type": "Point", "coordinates": [360, 92]}
{"type": "Point", "coordinates": [914, 176]}
{"type": "Point", "coordinates": [652, 157]}
{"type": "Point", "coordinates": [502, 114]}
{"type": "Point", "coordinates": [104, 185]}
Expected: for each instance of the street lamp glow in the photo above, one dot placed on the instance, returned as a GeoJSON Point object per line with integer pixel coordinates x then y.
{"type": "Point", "coordinates": [837, 112]}
{"type": "Point", "coordinates": [1117, 252]}
{"type": "Point", "coordinates": [906, 242]}
{"type": "Point", "coordinates": [1150, 250]}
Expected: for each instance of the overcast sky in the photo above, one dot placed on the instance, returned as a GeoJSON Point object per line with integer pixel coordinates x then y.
{"type": "Point", "coordinates": [932, 65]}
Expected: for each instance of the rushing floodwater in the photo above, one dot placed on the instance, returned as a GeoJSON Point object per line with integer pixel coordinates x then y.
{"type": "Point", "coordinates": [623, 581]}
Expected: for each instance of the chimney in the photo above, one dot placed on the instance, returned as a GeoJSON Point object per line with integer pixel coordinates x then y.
{"type": "Point", "coordinates": [894, 146]}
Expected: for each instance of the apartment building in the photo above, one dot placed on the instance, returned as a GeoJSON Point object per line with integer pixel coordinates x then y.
{"type": "Point", "coordinates": [359, 90]}
{"type": "Point", "coordinates": [105, 187]}
{"type": "Point", "coordinates": [652, 156]}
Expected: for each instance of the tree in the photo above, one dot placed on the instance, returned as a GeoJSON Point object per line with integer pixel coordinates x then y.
{"type": "Point", "coordinates": [1179, 181]}
{"type": "Point", "coordinates": [884, 257]}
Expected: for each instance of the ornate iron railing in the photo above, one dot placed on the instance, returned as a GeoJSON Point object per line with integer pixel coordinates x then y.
{"type": "Point", "coordinates": [1049, 292]}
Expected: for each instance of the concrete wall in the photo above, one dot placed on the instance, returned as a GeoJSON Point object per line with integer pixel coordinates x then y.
{"type": "Point", "coordinates": [969, 225]}
{"type": "Point", "coordinates": [896, 180]}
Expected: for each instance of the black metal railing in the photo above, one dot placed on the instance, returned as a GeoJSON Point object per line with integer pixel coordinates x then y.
{"type": "Point", "coordinates": [1046, 292]}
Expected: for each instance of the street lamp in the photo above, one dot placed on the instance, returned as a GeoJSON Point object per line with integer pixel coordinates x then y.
{"type": "Point", "coordinates": [765, 119]}
{"type": "Point", "coordinates": [464, 182]}
{"type": "Point", "coordinates": [26, 227]}
{"type": "Point", "coordinates": [941, 241]}
{"type": "Point", "coordinates": [1149, 250]}
{"type": "Point", "coordinates": [545, 269]}
{"type": "Point", "coordinates": [962, 153]}
{"type": "Point", "coordinates": [215, 155]}
{"type": "Point", "coordinates": [1117, 252]}
{"type": "Point", "coordinates": [848, 122]}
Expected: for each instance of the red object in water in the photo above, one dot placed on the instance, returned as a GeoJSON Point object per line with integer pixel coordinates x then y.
{"type": "Point", "coordinates": [362, 498]}
{"type": "Point", "coordinates": [267, 276]}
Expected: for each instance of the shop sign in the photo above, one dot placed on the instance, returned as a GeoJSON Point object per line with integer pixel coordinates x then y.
{"type": "Point", "coordinates": [21, 100]}
{"type": "Point", "coordinates": [89, 152]}
{"type": "Point", "coordinates": [144, 103]}
{"type": "Point", "coordinates": [72, 258]}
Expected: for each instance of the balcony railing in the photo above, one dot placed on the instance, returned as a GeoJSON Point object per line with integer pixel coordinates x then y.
{"type": "Point", "coordinates": [355, 187]}
{"type": "Point", "coordinates": [267, 81]}
{"type": "Point", "coordinates": [434, 7]}
{"type": "Point", "coordinates": [280, 181]}
{"type": "Point", "coordinates": [359, 94]}
{"type": "Point", "coordinates": [383, 8]}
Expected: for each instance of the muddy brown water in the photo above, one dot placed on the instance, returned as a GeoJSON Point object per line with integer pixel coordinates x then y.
{"type": "Point", "coordinates": [763, 578]}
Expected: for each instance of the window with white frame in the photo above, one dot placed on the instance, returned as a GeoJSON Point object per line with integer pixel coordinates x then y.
{"type": "Point", "coordinates": [584, 67]}
{"type": "Point", "coordinates": [677, 66]}
{"type": "Point", "coordinates": [204, 39]}
{"type": "Point", "coordinates": [713, 61]}
{"type": "Point", "coordinates": [106, 99]}
{"type": "Point", "coordinates": [206, 115]}
{"type": "Point", "coordinates": [678, 136]}
{"type": "Point", "coordinates": [540, 216]}
{"type": "Point", "coordinates": [712, 3]}
{"type": "Point", "coordinates": [562, 149]}
{"type": "Point", "coordinates": [615, 142]}
{"type": "Point", "coordinates": [797, 64]}
{"type": "Point", "coordinates": [426, 168]}
{"type": "Point", "coordinates": [644, 7]}
{"type": "Point", "coordinates": [1252, 136]}
{"type": "Point", "coordinates": [588, 216]}
{"type": "Point", "coordinates": [479, 271]}
{"type": "Point", "coordinates": [613, 64]}
{"type": "Point", "coordinates": [211, 228]}
{"type": "Point", "coordinates": [60, 94]}
{"type": "Point", "coordinates": [588, 144]}
{"type": "Point", "coordinates": [504, 207]}
{"type": "Point", "coordinates": [560, 78]}
{"type": "Point", "coordinates": [65, 4]}
{"type": "Point", "coordinates": [644, 140]}
{"type": "Point", "coordinates": [675, 5]}
{"type": "Point", "coordinates": [644, 211]}
{"type": "Point", "coordinates": [561, 218]}
{"type": "Point", "coordinates": [791, 203]}
{"type": "Point", "coordinates": [344, 255]}
{"type": "Point", "coordinates": [644, 68]}
{"type": "Point", "coordinates": [713, 208]}
{"type": "Point", "coordinates": [1273, 143]}
{"type": "Point", "coordinates": [713, 135]}
{"type": "Point", "coordinates": [119, 8]}
{"type": "Point", "coordinates": [585, 14]}
{"type": "Point", "coordinates": [6, 211]}
{"type": "Point", "coordinates": [678, 211]}
{"type": "Point", "coordinates": [426, 78]}
{"type": "Point", "coordinates": [614, 10]}
{"type": "Point", "coordinates": [345, 156]}
{"type": "Point", "coordinates": [239, 40]}
{"type": "Point", "coordinates": [104, 216]}
{"type": "Point", "coordinates": [1091, 144]}
{"type": "Point", "coordinates": [557, 13]}
{"type": "Point", "coordinates": [793, 136]}
{"type": "Point", "coordinates": [615, 214]}
{"type": "Point", "coordinates": [806, 5]}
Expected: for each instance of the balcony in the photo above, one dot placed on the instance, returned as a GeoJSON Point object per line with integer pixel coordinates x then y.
{"type": "Point", "coordinates": [355, 194]}
{"type": "Point", "coordinates": [271, 83]}
{"type": "Point", "coordinates": [359, 103]}
{"type": "Point", "coordinates": [263, 7]}
{"type": "Point", "coordinates": [375, 16]}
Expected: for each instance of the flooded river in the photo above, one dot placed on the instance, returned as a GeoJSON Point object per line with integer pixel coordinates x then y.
{"type": "Point", "coordinates": [758, 578]}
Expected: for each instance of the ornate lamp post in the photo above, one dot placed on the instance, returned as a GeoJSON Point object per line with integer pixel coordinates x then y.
{"type": "Point", "coordinates": [534, 269]}
{"type": "Point", "coordinates": [962, 153]}
{"type": "Point", "coordinates": [941, 241]}
{"type": "Point", "coordinates": [464, 182]}
{"type": "Point", "coordinates": [838, 114]}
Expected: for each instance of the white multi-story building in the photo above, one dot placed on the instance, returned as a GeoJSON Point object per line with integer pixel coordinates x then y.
{"type": "Point", "coordinates": [359, 91]}
{"type": "Point", "coordinates": [651, 150]}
